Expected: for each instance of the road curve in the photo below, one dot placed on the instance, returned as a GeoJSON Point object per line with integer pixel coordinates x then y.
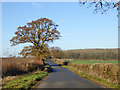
{"type": "Point", "coordinates": [62, 78]}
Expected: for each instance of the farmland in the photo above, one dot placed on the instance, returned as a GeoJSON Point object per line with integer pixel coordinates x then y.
{"type": "Point", "coordinates": [89, 61]}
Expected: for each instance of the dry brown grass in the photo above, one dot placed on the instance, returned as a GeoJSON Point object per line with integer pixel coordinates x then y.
{"type": "Point", "coordinates": [17, 66]}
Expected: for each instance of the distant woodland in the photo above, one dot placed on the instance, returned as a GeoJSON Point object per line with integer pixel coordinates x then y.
{"type": "Point", "coordinates": [87, 54]}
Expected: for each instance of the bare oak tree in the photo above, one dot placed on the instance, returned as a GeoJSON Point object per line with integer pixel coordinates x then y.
{"type": "Point", "coordinates": [100, 5]}
{"type": "Point", "coordinates": [33, 51]}
{"type": "Point", "coordinates": [39, 33]}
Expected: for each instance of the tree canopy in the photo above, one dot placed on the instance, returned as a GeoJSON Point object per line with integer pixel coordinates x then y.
{"type": "Point", "coordinates": [56, 52]}
{"type": "Point", "coordinates": [39, 33]}
{"type": "Point", "coordinates": [33, 51]}
{"type": "Point", "coordinates": [100, 5]}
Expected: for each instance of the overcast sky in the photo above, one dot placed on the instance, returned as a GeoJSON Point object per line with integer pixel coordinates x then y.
{"type": "Point", "coordinates": [79, 27]}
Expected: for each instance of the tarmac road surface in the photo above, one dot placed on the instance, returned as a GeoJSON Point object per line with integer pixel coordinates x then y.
{"type": "Point", "coordinates": [62, 78]}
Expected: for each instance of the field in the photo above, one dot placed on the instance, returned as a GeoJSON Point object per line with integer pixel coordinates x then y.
{"type": "Point", "coordinates": [89, 61]}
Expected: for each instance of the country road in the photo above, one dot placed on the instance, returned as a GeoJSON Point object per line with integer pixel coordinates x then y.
{"type": "Point", "coordinates": [62, 78]}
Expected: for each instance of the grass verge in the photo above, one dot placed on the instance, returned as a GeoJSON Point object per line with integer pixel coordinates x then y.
{"type": "Point", "coordinates": [97, 80]}
{"type": "Point", "coordinates": [26, 82]}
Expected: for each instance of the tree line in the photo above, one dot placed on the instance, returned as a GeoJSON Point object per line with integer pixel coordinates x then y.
{"type": "Point", "coordinates": [88, 54]}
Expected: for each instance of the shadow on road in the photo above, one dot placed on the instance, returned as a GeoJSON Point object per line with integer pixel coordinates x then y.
{"type": "Point", "coordinates": [53, 70]}
{"type": "Point", "coordinates": [54, 65]}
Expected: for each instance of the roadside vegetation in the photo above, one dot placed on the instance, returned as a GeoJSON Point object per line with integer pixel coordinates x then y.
{"type": "Point", "coordinates": [17, 66]}
{"type": "Point", "coordinates": [22, 72]}
{"type": "Point", "coordinates": [25, 82]}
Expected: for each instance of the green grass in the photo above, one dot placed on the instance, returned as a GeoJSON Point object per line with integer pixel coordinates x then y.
{"type": "Point", "coordinates": [89, 61]}
{"type": "Point", "coordinates": [98, 80]}
{"type": "Point", "coordinates": [26, 82]}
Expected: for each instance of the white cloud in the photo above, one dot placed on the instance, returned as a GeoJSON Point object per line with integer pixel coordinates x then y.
{"type": "Point", "coordinates": [37, 5]}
